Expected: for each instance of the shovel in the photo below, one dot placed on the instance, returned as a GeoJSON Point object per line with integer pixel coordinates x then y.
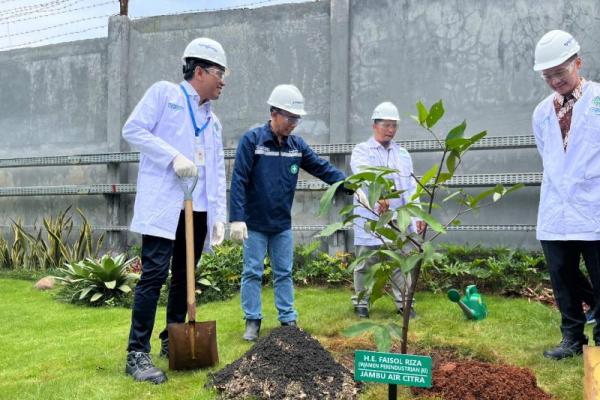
{"type": "Point", "coordinates": [192, 344]}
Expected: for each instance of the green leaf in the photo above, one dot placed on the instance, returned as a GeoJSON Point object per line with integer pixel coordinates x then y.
{"type": "Point", "coordinates": [476, 138]}
{"type": "Point", "coordinates": [359, 328]}
{"type": "Point", "coordinates": [430, 220]}
{"type": "Point", "coordinates": [410, 262]}
{"type": "Point", "coordinates": [85, 292]}
{"type": "Point", "coordinates": [451, 162]}
{"type": "Point", "coordinates": [383, 339]}
{"type": "Point", "coordinates": [374, 194]}
{"type": "Point", "coordinates": [403, 219]}
{"type": "Point", "coordinates": [395, 330]}
{"type": "Point", "coordinates": [513, 188]}
{"type": "Point", "coordinates": [204, 282]}
{"type": "Point", "coordinates": [435, 113]}
{"type": "Point", "coordinates": [429, 175]}
{"type": "Point", "coordinates": [327, 199]}
{"type": "Point", "coordinates": [451, 196]}
{"type": "Point", "coordinates": [387, 233]}
{"type": "Point", "coordinates": [330, 229]}
{"type": "Point", "coordinates": [111, 284]}
{"type": "Point", "coordinates": [456, 132]}
{"type": "Point", "coordinates": [96, 297]}
{"type": "Point", "coordinates": [124, 288]}
{"type": "Point", "coordinates": [422, 110]}
{"type": "Point", "coordinates": [347, 209]}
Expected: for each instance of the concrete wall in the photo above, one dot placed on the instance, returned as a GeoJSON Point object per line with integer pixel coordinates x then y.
{"type": "Point", "coordinates": [346, 56]}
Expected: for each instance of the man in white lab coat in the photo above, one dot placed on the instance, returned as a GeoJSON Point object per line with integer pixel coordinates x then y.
{"type": "Point", "coordinates": [178, 137]}
{"type": "Point", "coordinates": [381, 151]}
{"type": "Point", "coordinates": [566, 126]}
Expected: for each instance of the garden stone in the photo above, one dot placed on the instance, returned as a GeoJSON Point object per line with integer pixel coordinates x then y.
{"type": "Point", "coordinates": [45, 283]}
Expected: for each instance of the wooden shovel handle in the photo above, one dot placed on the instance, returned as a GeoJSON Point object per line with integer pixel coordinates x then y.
{"type": "Point", "coordinates": [189, 261]}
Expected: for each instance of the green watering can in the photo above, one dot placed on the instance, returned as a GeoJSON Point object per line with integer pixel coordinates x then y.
{"type": "Point", "coordinates": [471, 304]}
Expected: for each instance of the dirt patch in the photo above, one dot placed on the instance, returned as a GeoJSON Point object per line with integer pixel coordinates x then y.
{"type": "Point", "coordinates": [475, 380]}
{"type": "Point", "coordinates": [456, 376]}
{"type": "Point", "coordinates": [286, 364]}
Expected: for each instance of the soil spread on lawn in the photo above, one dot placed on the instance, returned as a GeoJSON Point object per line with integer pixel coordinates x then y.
{"type": "Point", "coordinates": [475, 380]}
{"type": "Point", "coordinates": [286, 364]}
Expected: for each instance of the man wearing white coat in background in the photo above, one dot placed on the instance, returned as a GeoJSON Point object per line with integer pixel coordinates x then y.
{"type": "Point", "coordinates": [381, 151]}
{"type": "Point", "coordinates": [566, 126]}
{"type": "Point", "coordinates": [178, 137]}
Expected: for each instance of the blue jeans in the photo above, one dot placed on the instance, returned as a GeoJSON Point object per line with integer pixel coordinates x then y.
{"type": "Point", "coordinates": [280, 248]}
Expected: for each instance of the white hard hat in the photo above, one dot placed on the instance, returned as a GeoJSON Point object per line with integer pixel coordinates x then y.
{"type": "Point", "coordinates": [205, 49]}
{"type": "Point", "coordinates": [554, 48]}
{"type": "Point", "coordinates": [386, 110]}
{"type": "Point", "coordinates": [288, 98]}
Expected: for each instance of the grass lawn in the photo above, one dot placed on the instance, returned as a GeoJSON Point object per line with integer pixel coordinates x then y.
{"type": "Point", "coordinates": [50, 350]}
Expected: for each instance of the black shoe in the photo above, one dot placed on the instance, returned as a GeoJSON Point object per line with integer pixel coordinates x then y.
{"type": "Point", "coordinates": [566, 348]}
{"type": "Point", "coordinates": [289, 323]}
{"type": "Point", "coordinates": [140, 366]}
{"type": "Point", "coordinates": [252, 329]}
{"type": "Point", "coordinates": [361, 312]}
{"type": "Point", "coordinates": [164, 348]}
{"type": "Point", "coordinates": [413, 313]}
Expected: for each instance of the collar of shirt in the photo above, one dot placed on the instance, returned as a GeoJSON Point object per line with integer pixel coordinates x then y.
{"type": "Point", "coordinates": [575, 94]}
{"type": "Point", "coordinates": [274, 137]}
{"type": "Point", "coordinates": [195, 97]}
{"type": "Point", "coordinates": [374, 144]}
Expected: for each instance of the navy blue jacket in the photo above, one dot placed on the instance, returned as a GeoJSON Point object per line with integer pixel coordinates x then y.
{"type": "Point", "coordinates": [265, 175]}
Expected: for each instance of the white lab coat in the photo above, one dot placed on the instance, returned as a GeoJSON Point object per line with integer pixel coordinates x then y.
{"type": "Point", "coordinates": [372, 154]}
{"type": "Point", "coordinates": [570, 193]}
{"type": "Point", "coordinates": [160, 127]}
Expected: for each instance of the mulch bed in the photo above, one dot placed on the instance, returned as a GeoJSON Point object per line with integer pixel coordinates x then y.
{"type": "Point", "coordinates": [456, 376]}
{"type": "Point", "coordinates": [476, 380]}
{"type": "Point", "coordinates": [286, 364]}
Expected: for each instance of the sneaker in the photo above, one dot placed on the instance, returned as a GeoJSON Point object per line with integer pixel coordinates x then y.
{"type": "Point", "coordinates": [413, 313]}
{"type": "Point", "coordinates": [567, 348]}
{"type": "Point", "coordinates": [164, 348]}
{"type": "Point", "coordinates": [361, 311]}
{"type": "Point", "coordinates": [252, 329]}
{"type": "Point", "coordinates": [289, 323]}
{"type": "Point", "coordinates": [140, 366]}
{"type": "Point", "coordinates": [589, 318]}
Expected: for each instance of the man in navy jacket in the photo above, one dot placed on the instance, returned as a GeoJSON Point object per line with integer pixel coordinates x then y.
{"type": "Point", "coordinates": [265, 173]}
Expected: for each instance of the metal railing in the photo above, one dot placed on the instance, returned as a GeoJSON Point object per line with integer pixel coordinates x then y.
{"type": "Point", "coordinates": [112, 189]}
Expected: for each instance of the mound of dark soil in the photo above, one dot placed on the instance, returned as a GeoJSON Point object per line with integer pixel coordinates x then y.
{"type": "Point", "coordinates": [286, 364]}
{"type": "Point", "coordinates": [475, 380]}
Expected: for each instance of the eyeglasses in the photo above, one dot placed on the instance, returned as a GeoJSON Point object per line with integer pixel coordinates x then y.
{"type": "Point", "coordinates": [292, 120]}
{"type": "Point", "coordinates": [388, 125]}
{"type": "Point", "coordinates": [216, 72]}
{"type": "Point", "coordinates": [560, 74]}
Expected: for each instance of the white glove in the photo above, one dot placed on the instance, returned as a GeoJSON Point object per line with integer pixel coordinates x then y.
{"type": "Point", "coordinates": [239, 231]}
{"type": "Point", "coordinates": [184, 167]}
{"type": "Point", "coordinates": [218, 234]}
{"type": "Point", "coordinates": [361, 197]}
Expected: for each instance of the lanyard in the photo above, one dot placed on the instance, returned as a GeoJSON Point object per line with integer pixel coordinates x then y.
{"type": "Point", "coordinates": [197, 131]}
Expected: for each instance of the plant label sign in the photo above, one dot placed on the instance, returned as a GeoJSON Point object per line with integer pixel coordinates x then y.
{"type": "Point", "coordinates": [392, 368]}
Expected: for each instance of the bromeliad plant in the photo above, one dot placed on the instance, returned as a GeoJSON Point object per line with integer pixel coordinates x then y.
{"type": "Point", "coordinates": [98, 282]}
{"type": "Point", "coordinates": [401, 249]}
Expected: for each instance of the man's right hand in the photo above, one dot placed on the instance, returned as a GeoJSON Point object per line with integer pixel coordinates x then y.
{"type": "Point", "coordinates": [184, 167]}
{"type": "Point", "coordinates": [239, 231]}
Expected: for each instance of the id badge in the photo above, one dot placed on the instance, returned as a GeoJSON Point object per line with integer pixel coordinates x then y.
{"type": "Point", "coordinates": [199, 154]}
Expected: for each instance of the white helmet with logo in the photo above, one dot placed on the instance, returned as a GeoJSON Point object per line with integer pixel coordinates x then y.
{"type": "Point", "coordinates": [386, 110]}
{"type": "Point", "coordinates": [554, 48]}
{"type": "Point", "coordinates": [288, 98]}
{"type": "Point", "coordinates": [205, 49]}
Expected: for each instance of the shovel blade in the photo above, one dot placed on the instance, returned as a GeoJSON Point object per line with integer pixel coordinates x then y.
{"type": "Point", "coordinates": [202, 353]}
